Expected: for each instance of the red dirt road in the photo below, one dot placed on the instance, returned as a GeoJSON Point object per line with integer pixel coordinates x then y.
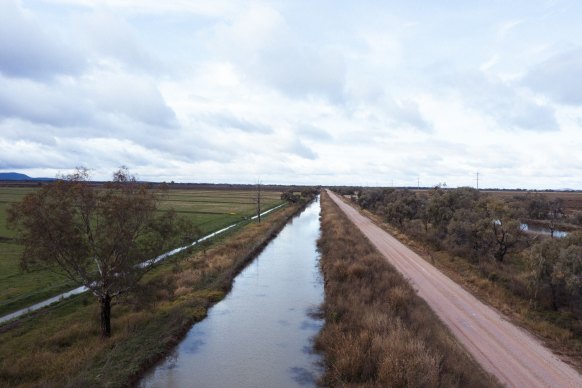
{"type": "Point", "coordinates": [503, 349]}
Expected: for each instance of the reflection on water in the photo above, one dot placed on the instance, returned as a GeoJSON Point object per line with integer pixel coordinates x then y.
{"type": "Point", "coordinates": [260, 334]}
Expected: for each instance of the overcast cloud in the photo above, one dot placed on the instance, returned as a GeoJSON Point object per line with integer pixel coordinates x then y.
{"type": "Point", "coordinates": [324, 92]}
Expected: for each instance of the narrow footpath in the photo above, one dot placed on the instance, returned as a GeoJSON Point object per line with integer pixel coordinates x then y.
{"type": "Point", "coordinates": [505, 350]}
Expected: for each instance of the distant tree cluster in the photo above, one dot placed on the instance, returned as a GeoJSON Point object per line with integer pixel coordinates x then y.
{"type": "Point", "coordinates": [303, 196]}
{"type": "Point", "coordinates": [462, 220]}
{"type": "Point", "coordinates": [488, 230]}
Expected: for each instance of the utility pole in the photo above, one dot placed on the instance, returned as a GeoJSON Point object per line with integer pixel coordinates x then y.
{"type": "Point", "coordinates": [418, 182]}
{"type": "Point", "coordinates": [259, 201]}
{"type": "Point", "coordinates": [477, 180]}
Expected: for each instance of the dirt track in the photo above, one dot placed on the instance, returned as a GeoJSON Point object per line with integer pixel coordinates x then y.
{"type": "Point", "coordinates": [508, 352]}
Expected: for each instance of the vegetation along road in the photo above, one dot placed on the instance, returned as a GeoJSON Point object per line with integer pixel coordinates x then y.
{"type": "Point", "coordinates": [503, 349]}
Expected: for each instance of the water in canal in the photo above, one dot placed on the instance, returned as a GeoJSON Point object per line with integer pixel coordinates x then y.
{"type": "Point", "coordinates": [261, 334]}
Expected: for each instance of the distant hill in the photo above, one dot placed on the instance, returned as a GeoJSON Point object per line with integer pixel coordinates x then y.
{"type": "Point", "coordinates": [14, 176]}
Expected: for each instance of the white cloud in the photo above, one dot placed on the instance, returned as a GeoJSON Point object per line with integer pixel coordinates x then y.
{"type": "Point", "coordinates": [494, 60]}
{"type": "Point", "coordinates": [214, 8]}
{"type": "Point", "coordinates": [299, 92]}
{"type": "Point", "coordinates": [264, 47]}
{"type": "Point", "coordinates": [228, 120]}
{"type": "Point", "coordinates": [507, 27]}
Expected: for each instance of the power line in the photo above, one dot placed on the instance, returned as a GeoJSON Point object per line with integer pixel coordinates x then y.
{"type": "Point", "coordinates": [259, 200]}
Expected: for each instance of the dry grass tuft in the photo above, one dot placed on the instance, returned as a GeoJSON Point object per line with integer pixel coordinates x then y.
{"type": "Point", "coordinates": [378, 332]}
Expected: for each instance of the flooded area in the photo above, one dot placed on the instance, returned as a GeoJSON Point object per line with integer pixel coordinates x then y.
{"type": "Point", "coordinates": [261, 334]}
{"type": "Point", "coordinates": [541, 230]}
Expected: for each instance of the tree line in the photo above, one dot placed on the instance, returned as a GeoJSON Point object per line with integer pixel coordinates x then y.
{"type": "Point", "coordinates": [303, 196]}
{"type": "Point", "coordinates": [488, 231]}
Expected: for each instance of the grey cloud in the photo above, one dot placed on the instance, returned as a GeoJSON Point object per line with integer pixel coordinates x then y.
{"type": "Point", "coordinates": [529, 115]}
{"type": "Point", "coordinates": [230, 121]}
{"type": "Point", "coordinates": [311, 132]}
{"type": "Point", "coordinates": [27, 50]}
{"type": "Point", "coordinates": [39, 103]}
{"type": "Point", "coordinates": [112, 37]}
{"type": "Point", "coordinates": [192, 146]}
{"type": "Point", "coordinates": [25, 131]}
{"type": "Point", "coordinates": [407, 113]}
{"type": "Point", "coordinates": [503, 102]}
{"type": "Point", "coordinates": [560, 78]}
{"type": "Point", "coordinates": [302, 70]}
{"type": "Point", "coordinates": [97, 152]}
{"type": "Point", "coordinates": [100, 104]}
{"type": "Point", "coordinates": [297, 147]}
{"type": "Point", "coordinates": [132, 97]}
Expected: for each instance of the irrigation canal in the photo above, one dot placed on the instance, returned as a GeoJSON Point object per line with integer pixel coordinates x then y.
{"type": "Point", "coordinates": [261, 334]}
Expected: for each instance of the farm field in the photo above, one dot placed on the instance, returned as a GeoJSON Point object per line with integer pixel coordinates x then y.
{"type": "Point", "coordinates": [572, 200]}
{"type": "Point", "coordinates": [208, 209]}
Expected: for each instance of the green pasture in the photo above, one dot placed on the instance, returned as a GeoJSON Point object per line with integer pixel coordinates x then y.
{"type": "Point", "coordinates": [209, 210]}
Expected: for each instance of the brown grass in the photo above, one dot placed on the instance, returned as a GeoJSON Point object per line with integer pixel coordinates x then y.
{"type": "Point", "coordinates": [61, 345]}
{"type": "Point", "coordinates": [378, 332]}
{"type": "Point", "coordinates": [572, 199]}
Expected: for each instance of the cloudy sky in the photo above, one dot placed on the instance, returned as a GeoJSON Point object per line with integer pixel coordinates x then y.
{"type": "Point", "coordinates": [309, 92]}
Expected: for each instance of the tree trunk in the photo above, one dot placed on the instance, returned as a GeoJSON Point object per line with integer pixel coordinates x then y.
{"type": "Point", "coordinates": [500, 254]}
{"type": "Point", "coordinates": [554, 296]}
{"type": "Point", "coordinates": [105, 303]}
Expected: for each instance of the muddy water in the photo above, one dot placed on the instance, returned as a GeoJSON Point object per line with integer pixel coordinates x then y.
{"type": "Point", "coordinates": [261, 334]}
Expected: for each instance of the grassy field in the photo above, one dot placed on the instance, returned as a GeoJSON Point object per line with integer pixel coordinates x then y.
{"type": "Point", "coordinates": [209, 210]}
{"type": "Point", "coordinates": [61, 345]}
{"type": "Point", "coordinates": [572, 199]}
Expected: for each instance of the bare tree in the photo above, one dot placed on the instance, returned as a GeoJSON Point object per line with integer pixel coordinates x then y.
{"type": "Point", "coordinates": [556, 212]}
{"type": "Point", "coordinates": [502, 229]}
{"type": "Point", "coordinates": [105, 238]}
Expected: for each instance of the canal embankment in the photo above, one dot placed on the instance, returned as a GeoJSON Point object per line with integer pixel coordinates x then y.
{"type": "Point", "coordinates": [61, 345]}
{"type": "Point", "coordinates": [378, 331]}
{"type": "Point", "coordinates": [260, 334]}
